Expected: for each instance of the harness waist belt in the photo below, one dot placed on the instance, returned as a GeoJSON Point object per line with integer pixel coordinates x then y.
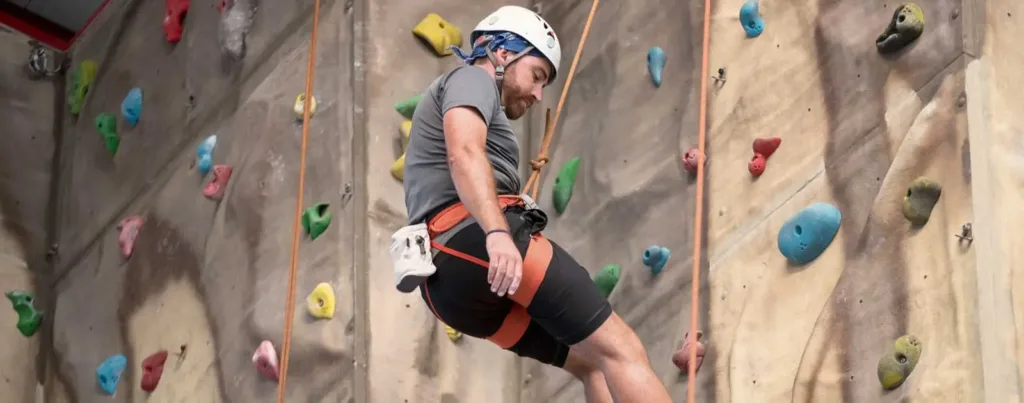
{"type": "Point", "coordinates": [450, 217]}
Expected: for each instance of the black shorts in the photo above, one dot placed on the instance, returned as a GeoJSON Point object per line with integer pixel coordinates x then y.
{"type": "Point", "coordinates": [557, 304]}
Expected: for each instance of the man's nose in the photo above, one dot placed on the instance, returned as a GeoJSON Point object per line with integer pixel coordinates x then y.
{"type": "Point", "coordinates": [538, 92]}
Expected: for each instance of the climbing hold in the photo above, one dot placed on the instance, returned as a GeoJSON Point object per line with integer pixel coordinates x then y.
{"type": "Point", "coordinates": [235, 21]}
{"type": "Point", "coordinates": [753, 25]}
{"type": "Point", "coordinates": [607, 278]}
{"type": "Point", "coordinates": [84, 76]}
{"type": "Point", "coordinates": [131, 107]}
{"type": "Point", "coordinates": [152, 369]}
{"type": "Point", "coordinates": [757, 164]}
{"type": "Point", "coordinates": [655, 64]}
{"type": "Point", "coordinates": [300, 106]}
{"type": "Point", "coordinates": [398, 167]}
{"type": "Point", "coordinates": [690, 160]}
{"type": "Point", "coordinates": [320, 302]}
{"type": "Point", "coordinates": [265, 360]}
{"type": "Point", "coordinates": [766, 146]}
{"type": "Point", "coordinates": [906, 25]}
{"type": "Point", "coordinates": [108, 373]}
{"type": "Point", "coordinates": [174, 19]}
{"type": "Point", "coordinates": [106, 124]}
{"type": "Point", "coordinates": [921, 197]}
{"type": "Point", "coordinates": [129, 230]}
{"type": "Point", "coordinates": [655, 257]}
{"type": "Point", "coordinates": [438, 34]}
{"type": "Point", "coordinates": [807, 234]}
{"type": "Point", "coordinates": [407, 107]}
{"type": "Point", "coordinates": [215, 189]}
{"type": "Point", "coordinates": [204, 154]}
{"type": "Point", "coordinates": [453, 335]}
{"type": "Point", "coordinates": [682, 356]}
{"type": "Point", "coordinates": [29, 317]}
{"type": "Point", "coordinates": [564, 183]}
{"type": "Point", "coordinates": [316, 219]}
{"type": "Point", "coordinates": [899, 361]}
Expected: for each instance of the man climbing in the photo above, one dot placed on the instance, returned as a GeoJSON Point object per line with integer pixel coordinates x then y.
{"type": "Point", "coordinates": [473, 245]}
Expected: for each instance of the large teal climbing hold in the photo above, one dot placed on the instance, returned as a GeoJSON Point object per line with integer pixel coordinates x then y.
{"type": "Point", "coordinates": [808, 233]}
{"type": "Point", "coordinates": [564, 183]}
{"type": "Point", "coordinates": [607, 278]}
{"type": "Point", "coordinates": [407, 107]}
{"type": "Point", "coordinates": [655, 258]}
{"type": "Point", "coordinates": [131, 107]}
{"type": "Point", "coordinates": [655, 64]}
{"type": "Point", "coordinates": [753, 25]}
{"type": "Point", "coordinates": [204, 154]}
{"type": "Point", "coordinates": [316, 219]}
{"type": "Point", "coordinates": [106, 124]}
{"type": "Point", "coordinates": [108, 373]}
{"type": "Point", "coordinates": [29, 317]}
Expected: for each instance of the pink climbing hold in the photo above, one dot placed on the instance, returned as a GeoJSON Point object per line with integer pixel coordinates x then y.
{"type": "Point", "coordinates": [129, 230]}
{"type": "Point", "coordinates": [766, 146]}
{"type": "Point", "coordinates": [174, 19]}
{"type": "Point", "coordinates": [682, 357]}
{"type": "Point", "coordinates": [215, 189]}
{"type": "Point", "coordinates": [757, 164]}
{"type": "Point", "coordinates": [265, 360]}
{"type": "Point", "coordinates": [690, 160]}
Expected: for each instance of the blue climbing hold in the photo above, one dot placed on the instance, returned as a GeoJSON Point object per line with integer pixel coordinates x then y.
{"type": "Point", "coordinates": [131, 107]}
{"type": "Point", "coordinates": [751, 20]}
{"type": "Point", "coordinates": [204, 154]}
{"type": "Point", "coordinates": [655, 258]}
{"type": "Point", "coordinates": [808, 233]}
{"type": "Point", "coordinates": [655, 64]}
{"type": "Point", "coordinates": [108, 373]}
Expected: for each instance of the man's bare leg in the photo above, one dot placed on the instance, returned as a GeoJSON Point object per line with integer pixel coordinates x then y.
{"type": "Point", "coordinates": [620, 355]}
{"type": "Point", "coordinates": [594, 388]}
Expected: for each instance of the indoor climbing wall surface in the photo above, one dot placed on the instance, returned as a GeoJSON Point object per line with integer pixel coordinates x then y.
{"type": "Point", "coordinates": [410, 357]}
{"type": "Point", "coordinates": [205, 281]}
{"type": "Point", "coordinates": [25, 166]}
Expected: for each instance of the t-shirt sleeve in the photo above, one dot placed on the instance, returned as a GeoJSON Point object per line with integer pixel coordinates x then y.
{"type": "Point", "coordinates": [471, 87]}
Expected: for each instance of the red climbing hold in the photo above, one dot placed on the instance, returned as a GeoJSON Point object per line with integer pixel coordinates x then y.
{"type": "Point", "coordinates": [690, 160]}
{"type": "Point", "coordinates": [215, 189]}
{"type": "Point", "coordinates": [129, 230]}
{"type": "Point", "coordinates": [756, 165]}
{"type": "Point", "coordinates": [265, 360]}
{"type": "Point", "coordinates": [174, 19]}
{"type": "Point", "coordinates": [766, 146]}
{"type": "Point", "coordinates": [682, 357]}
{"type": "Point", "coordinates": [152, 369]}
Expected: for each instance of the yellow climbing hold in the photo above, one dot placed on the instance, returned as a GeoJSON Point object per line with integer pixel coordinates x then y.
{"type": "Point", "coordinates": [300, 103]}
{"type": "Point", "coordinates": [398, 167]}
{"type": "Point", "coordinates": [453, 335]}
{"type": "Point", "coordinates": [320, 302]}
{"type": "Point", "coordinates": [899, 361]}
{"type": "Point", "coordinates": [438, 34]}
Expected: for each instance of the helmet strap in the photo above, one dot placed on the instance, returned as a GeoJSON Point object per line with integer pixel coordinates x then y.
{"type": "Point", "coordinates": [499, 69]}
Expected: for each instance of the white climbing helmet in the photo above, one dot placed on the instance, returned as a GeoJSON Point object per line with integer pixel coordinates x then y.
{"type": "Point", "coordinates": [528, 25]}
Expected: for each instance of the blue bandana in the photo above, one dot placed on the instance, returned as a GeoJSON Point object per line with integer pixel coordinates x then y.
{"type": "Point", "coordinates": [506, 40]}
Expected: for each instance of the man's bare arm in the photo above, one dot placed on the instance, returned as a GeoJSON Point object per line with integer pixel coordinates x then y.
{"type": "Point", "coordinates": [465, 135]}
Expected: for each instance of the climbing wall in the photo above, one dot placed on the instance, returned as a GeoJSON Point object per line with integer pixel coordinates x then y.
{"type": "Point", "coordinates": [205, 280]}
{"type": "Point", "coordinates": [25, 171]}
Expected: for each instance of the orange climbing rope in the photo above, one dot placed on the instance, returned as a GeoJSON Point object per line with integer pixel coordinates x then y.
{"type": "Point", "coordinates": [549, 124]}
{"type": "Point", "coordinates": [698, 214]}
{"type": "Point", "coordinates": [296, 225]}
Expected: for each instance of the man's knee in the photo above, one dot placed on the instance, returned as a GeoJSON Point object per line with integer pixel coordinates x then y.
{"type": "Point", "coordinates": [614, 340]}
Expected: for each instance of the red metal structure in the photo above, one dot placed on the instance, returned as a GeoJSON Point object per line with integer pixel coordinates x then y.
{"type": "Point", "coordinates": [60, 37]}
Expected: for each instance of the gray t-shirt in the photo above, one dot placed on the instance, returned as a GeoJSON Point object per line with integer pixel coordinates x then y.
{"type": "Point", "coordinates": [428, 180]}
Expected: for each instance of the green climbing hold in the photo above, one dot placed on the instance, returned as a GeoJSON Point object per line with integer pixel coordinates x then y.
{"type": "Point", "coordinates": [29, 317]}
{"type": "Point", "coordinates": [106, 124]}
{"type": "Point", "coordinates": [921, 197]}
{"type": "Point", "coordinates": [899, 361]}
{"type": "Point", "coordinates": [564, 183]}
{"type": "Point", "coordinates": [407, 107]}
{"type": "Point", "coordinates": [906, 25]}
{"type": "Point", "coordinates": [84, 76]}
{"type": "Point", "coordinates": [607, 278]}
{"type": "Point", "coordinates": [316, 219]}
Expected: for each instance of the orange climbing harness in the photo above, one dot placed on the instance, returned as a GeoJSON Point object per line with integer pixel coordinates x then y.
{"type": "Point", "coordinates": [293, 265]}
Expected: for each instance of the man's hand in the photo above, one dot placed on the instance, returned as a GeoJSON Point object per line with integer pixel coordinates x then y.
{"type": "Point", "coordinates": [506, 269]}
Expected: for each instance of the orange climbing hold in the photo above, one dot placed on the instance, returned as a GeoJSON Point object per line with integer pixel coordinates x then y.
{"type": "Point", "coordinates": [682, 357]}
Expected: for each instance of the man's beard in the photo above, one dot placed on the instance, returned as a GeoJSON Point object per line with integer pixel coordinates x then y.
{"type": "Point", "coordinates": [516, 107]}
